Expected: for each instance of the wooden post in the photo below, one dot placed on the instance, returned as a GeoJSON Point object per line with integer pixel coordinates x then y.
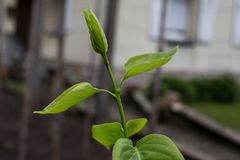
{"type": "Point", "coordinates": [157, 74]}
{"type": "Point", "coordinates": [58, 81]}
{"type": "Point", "coordinates": [2, 47]}
{"type": "Point", "coordinates": [32, 76]}
{"type": "Point", "coordinates": [104, 80]}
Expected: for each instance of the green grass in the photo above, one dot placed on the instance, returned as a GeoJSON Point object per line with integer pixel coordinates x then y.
{"type": "Point", "coordinates": [226, 114]}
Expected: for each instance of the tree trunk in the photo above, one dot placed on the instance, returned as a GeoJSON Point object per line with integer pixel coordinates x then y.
{"type": "Point", "coordinates": [2, 47]}
{"type": "Point", "coordinates": [56, 120]}
{"type": "Point", "coordinates": [32, 76]}
{"type": "Point", "coordinates": [157, 74]}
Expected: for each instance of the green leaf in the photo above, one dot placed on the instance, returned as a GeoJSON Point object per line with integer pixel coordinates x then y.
{"type": "Point", "coordinates": [135, 126]}
{"type": "Point", "coordinates": [146, 62]}
{"type": "Point", "coordinates": [150, 147]}
{"type": "Point", "coordinates": [97, 36]}
{"type": "Point", "coordinates": [107, 134]}
{"type": "Point", "coordinates": [70, 97]}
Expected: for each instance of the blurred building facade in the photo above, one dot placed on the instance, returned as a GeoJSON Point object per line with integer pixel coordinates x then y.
{"type": "Point", "coordinates": [208, 32]}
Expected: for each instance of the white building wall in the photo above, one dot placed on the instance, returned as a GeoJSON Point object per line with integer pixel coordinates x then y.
{"type": "Point", "coordinates": [215, 57]}
{"type": "Point", "coordinates": [132, 31]}
{"type": "Point", "coordinates": [218, 56]}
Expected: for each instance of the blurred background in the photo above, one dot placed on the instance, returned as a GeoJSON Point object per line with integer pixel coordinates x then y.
{"type": "Point", "coordinates": [194, 99]}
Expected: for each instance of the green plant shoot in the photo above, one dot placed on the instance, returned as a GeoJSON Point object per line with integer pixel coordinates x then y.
{"type": "Point", "coordinates": [150, 147]}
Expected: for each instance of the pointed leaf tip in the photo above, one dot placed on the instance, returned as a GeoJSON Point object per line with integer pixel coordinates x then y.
{"type": "Point", "coordinates": [136, 125]}
{"type": "Point", "coordinates": [37, 112]}
{"type": "Point", "coordinates": [69, 98]}
{"type": "Point", "coordinates": [146, 62]}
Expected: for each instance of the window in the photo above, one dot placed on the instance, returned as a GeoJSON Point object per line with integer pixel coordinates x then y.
{"type": "Point", "coordinates": [206, 20]}
{"type": "Point", "coordinates": [177, 20]}
{"type": "Point", "coordinates": [180, 21]}
{"type": "Point", "coordinates": [187, 20]}
{"type": "Point", "coordinates": [236, 23]}
{"type": "Point", "coordinates": [68, 15]}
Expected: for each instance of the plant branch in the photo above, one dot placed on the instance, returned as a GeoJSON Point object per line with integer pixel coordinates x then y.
{"type": "Point", "coordinates": [109, 92]}
{"type": "Point", "coordinates": [117, 91]}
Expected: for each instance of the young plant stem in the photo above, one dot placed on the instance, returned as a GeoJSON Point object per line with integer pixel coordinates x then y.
{"type": "Point", "coordinates": [117, 91]}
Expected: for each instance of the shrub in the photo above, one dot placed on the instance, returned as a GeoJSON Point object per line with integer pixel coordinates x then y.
{"type": "Point", "coordinates": [220, 89]}
{"type": "Point", "coordinates": [223, 89]}
{"type": "Point", "coordinates": [183, 87]}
